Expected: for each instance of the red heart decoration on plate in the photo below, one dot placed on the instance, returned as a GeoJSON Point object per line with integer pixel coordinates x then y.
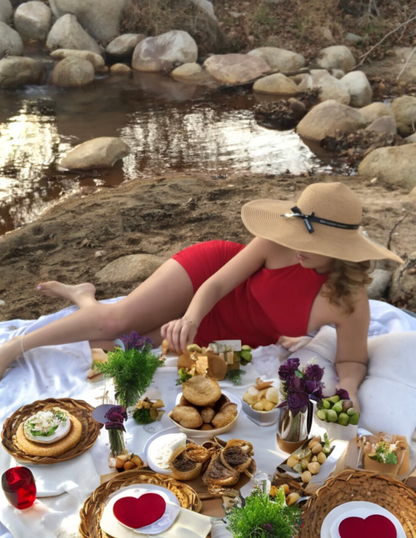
{"type": "Point", "coordinates": [139, 512]}
{"type": "Point", "coordinates": [372, 527]}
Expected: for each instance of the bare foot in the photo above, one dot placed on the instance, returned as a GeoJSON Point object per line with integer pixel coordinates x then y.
{"type": "Point", "coordinates": [8, 352]}
{"type": "Point", "coordinates": [79, 294]}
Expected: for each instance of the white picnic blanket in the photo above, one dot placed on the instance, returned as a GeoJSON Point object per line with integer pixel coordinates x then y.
{"type": "Point", "coordinates": [387, 397]}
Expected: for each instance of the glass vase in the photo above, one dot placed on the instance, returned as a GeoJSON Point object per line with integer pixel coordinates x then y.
{"type": "Point", "coordinates": [293, 429]}
{"type": "Point", "coordinates": [117, 444]}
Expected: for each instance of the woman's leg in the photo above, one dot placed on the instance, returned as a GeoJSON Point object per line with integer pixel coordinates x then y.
{"type": "Point", "coordinates": [162, 297]}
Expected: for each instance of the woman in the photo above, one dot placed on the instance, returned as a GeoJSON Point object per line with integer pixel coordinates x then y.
{"type": "Point", "coordinates": [289, 281]}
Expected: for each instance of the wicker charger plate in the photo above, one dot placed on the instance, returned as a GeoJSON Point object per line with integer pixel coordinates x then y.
{"type": "Point", "coordinates": [93, 507]}
{"type": "Point", "coordinates": [368, 486]}
{"type": "Point", "coordinates": [78, 408]}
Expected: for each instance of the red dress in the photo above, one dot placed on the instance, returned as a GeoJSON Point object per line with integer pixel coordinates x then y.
{"type": "Point", "coordinates": [269, 304]}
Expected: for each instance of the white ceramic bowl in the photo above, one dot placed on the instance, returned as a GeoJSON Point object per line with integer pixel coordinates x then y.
{"type": "Point", "coordinates": [151, 462]}
{"type": "Point", "coordinates": [262, 418]}
{"type": "Point", "coordinates": [209, 434]}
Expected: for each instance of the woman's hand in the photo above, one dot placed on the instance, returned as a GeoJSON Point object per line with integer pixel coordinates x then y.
{"type": "Point", "coordinates": [179, 333]}
{"type": "Point", "coordinates": [294, 343]}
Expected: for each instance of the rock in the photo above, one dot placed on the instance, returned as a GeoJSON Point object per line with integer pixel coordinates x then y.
{"type": "Point", "coordinates": [374, 111]}
{"type": "Point", "coordinates": [404, 110]}
{"type": "Point", "coordinates": [325, 33]}
{"type": "Point", "coordinates": [16, 71]}
{"type": "Point", "coordinates": [132, 268]}
{"type": "Point", "coordinates": [403, 285]}
{"type": "Point", "coordinates": [96, 59]}
{"type": "Point", "coordinates": [96, 153]}
{"type": "Point", "coordinates": [328, 117]}
{"type": "Point", "coordinates": [336, 57]}
{"type": "Point", "coordinates": [359, 88]}
{"type": "Point", "coordinates": [121, 69]}
{"type": "Point", "coordinates": [122, 47]}
{"type": "Point", "coordinates": [411, 139]}
{"type": "Point", "coordinates": [72, 72]}
{"type": "Point", "coordinates": [281, 59]}
{"type": "Point", "coordinates": [10, 41]}
{"type": "Point", "coordinates": [395, 165]}
{"type": "Point", "coordinates": [278, 84]}
{"type": "Point", "coordinates": [186, 70]}
{"type": "Point", "coordinates": [6, 11]}
{"type": "Point", "coordinates": [378, 286]}
{"type": "Point", "coordinates": [101, 18]}
{"type": "Point", "coordinates": [161, 52]}
{"type": "Point", "coordinates": [331, 88]}
{"type": "Point", "coordinates": [67, 33]}
{"type": "Point", "coordinates": [236, 68]}
{"type": "Point", "coordinates": [206, 6]}
{"type": "Point", "coordinates": [412, 193]}
{"type": "Point", "coordinates": [337, 73]}
{"type": "Point", "coordinates": [385, 124]}
{"type": "Point", "coordinates": [33, 20]}
{"type": "Point", "coordinates": [354, 38]}
{"type": "Point", "coordinates": [403, 53]}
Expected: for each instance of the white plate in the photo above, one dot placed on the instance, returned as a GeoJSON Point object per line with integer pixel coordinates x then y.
{"type": "Point", "coordinates": [209, 434]}
{"type": "Point", "coordinates": [148, 455]}
{"type": "Point", "coordinates": [361, 509]}
{"type": "Point", "coordinates": [136, 490]}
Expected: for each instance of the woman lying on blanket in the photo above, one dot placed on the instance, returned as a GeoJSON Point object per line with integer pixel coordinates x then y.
{"type": "Point", "coordinates": [306, 267]}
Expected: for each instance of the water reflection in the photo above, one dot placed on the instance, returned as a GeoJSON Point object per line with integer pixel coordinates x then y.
{"type": "Point", "coordinates": [169, 126]}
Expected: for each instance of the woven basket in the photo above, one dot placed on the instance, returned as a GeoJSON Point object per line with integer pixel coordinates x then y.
{"type": "Point", "coordinates": [78, 408]}
{"type": "Point", "coordinates": [92, 510]}
{"type": "Point", "coordinates": [368, 486]}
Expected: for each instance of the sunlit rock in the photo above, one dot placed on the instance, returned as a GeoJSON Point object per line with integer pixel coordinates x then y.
{"type": "Point", "coordinates": [122, 47]}
{"type": "Point", "coordinates": [236, 68]}
{"type": "Point", "coordinates": [337, 73]}
{"type": "Point", "coordinates": [121, 69]}
{"type": "Point", "coordinates": [161, 52]}
{"type": "Point", "coordinates": [16, 71]}
{"type": "Point", "coordinates": [277, 84]}
{"type": "Point", "coordinates": [186, 70]}
{"type": "Point", "coordinates": [328, 117]}
{"type": "Point", "coordinates": [33, 20]}
{"type": "Point", "coordinates": [101, 18]}
{"type": "Point", "coordinates": [378, 286]}
{"type": "Point", "coordinates": [67, 33]}
{"type": "Point", "coordinates": [100, 152]}
{"type": "Point", "coordinates": [72, 72]}
{"type": "Point", "coordinates": [207, 7]}
{"type": "Point", "coordinates": [6, 11]}
{"type": "Point", "coordinates": [404, 110]}
{"type": "Point", "coordinates": [385, 124]}
{"type": "Point", "coordinates": [411, 139]}
{"type": "Point", "coordinates": [331, 87]}
{"type": "Point", "coordinates": [376, 110]}
{"type": "Point", "coordinates": [403, 284]}
{"type": "Point", "coordinates": [359, 88]}
{"type": "Point", "coordinates": [336, 57]}
{"type": "Point", "coordinates": [285, 61]}
{"type": "Point", "coordinates": [96, 60]}
{"type": "Point", "coordinates": [395, 165]}
{"type": "Point", "coordinates": [10, 41]}
{"type": "Point", "coordinates": [131, 268]}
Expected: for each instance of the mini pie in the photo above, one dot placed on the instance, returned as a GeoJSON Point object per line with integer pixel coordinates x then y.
{"type": "Point", "coordinates": [202, 391]}
{"type": "Point", "coordinates": [54, 449]}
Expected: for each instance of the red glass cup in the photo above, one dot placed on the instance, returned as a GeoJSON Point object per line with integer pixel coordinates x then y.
{"type": "Point", "coordinates": [19, 487]}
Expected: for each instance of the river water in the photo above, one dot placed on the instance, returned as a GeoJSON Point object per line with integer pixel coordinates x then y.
{"type": "Point", "coordinates": [170, 126]}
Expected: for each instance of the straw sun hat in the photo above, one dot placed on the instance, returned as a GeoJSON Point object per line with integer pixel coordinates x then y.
{"type": "Point", "coordinates": [325, 221]}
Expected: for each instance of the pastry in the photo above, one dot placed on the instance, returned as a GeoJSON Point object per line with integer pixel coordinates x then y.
{"type": "Point", "coordinates": [237, 454]}
{"type": "Point", "coordinates": [202, 391]}
{"type": "Point", "coordinates": [188, 417]}
{"type": "Point", "coordinates": [227, 414]}
{"type": "Point", "coordinates": [218, 474]}
{"type": "Point", "coordinates": [207, 414]}
{"type": "Point", "coordinates": [187, 463]}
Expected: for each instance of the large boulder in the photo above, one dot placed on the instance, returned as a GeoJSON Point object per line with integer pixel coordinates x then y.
{"type": "Point", "coordinates": [101, 18]}
{"type": "Point", "coordinates": [359, 88]}
{"type": "Point", "coordinates": [285, 61]}
{"type": "Point", "coordinates": [162, 52]}
{"type": "Point", "coordinates": [10, 41]}
{"type": "Point", "coordinates": [236, 68]}
{"type": "Point", "coordinates": [374, 111]}
{"type": "Point", "coordinates": [96, 59]}
{"type": "Point", "coordinates": [33, 20]}
{"type": "Point", "coordinates": [6, 11]}
{"type": "Point", "coordinates": [72, 72]}
{"type": "Point", "coordinates": [385, 124]}
{"type": "Point", "coordinates": [122, 47]}
{"type": "Point", "coordinates": [16, 71]}
{"type": "Point", "coordinates": [100, 152]}
{"type": "Point", "coordinates": [404, 110]}
{"type": "Point", "coordinates": [336, 57]}
{"type": "Point", "coordinates": [395, 165]}
{"type": "Point", "coordinates": [328, 117]}
{"type": "Point", "coordinates": [277, 84]}
{"type": "Point", "coordinates": [331, 87]}
{"type": "Point", "coordinates": [67, 33]}
{"type": "Point", "coordinates": [131, 268]}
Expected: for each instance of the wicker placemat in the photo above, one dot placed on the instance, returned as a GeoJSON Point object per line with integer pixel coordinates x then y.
{"type": "Point", "coordinates": [78, 408]}
{"type": "Point", "coordinates": [92, 510]}
{"type": "Point", "coordinates": [368, 486]}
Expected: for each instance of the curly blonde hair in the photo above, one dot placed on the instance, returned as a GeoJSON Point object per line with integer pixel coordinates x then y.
{"type": "Point", "coordinates": [346, 279]}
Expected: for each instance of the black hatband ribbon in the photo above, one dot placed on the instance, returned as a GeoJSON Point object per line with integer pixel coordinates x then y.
{"type": "Point", "coordinates": [308, 219]}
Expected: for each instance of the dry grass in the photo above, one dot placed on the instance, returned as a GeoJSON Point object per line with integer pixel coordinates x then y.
{"type": "Point", "coordinates": [155, 17]}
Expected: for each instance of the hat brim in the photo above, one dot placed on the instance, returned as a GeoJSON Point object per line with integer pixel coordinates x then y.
{"type": "Point", "coordinates": [265, 219]}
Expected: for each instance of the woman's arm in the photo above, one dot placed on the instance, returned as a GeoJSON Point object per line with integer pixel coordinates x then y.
{"type": "Point", "coordinates": [181, 332]}
{"type": "Point", "coordinates": [352, 355]}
